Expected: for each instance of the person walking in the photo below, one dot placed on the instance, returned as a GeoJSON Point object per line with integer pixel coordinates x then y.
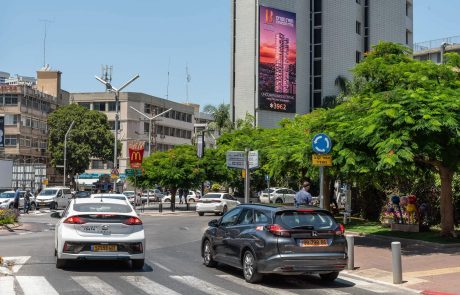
{"type": "Point", "coordinates": [303, 197]}
{"type": "Point", "coordinates": [26, 202]}
{"type": "Point", "coordinates": [181, 192]}
{"type": "Point", "coordinates": [17, 195]}
{"type": "Point", "coordinates": [185, 195]}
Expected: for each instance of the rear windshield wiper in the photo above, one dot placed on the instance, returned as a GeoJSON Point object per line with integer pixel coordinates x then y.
{"type": "Point", "coordinates": [311, 227]}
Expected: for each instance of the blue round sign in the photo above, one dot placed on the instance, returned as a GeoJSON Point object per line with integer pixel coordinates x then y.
{"type": "Point", "coordinates": [321, 144]}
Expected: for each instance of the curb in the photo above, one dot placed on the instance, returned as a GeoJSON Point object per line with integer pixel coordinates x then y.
{"type": "Point", "coordinates": [371, 280]}
{"type": "Point", "coordinates": [412, 241]}
{"type": "Point", "coordinates": [166, 213]}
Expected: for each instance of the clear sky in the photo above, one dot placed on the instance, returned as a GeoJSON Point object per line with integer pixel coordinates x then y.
{"type": "Point", "coordinates": [141, 36]}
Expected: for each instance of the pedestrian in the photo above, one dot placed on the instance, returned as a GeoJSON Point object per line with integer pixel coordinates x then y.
{"type": "Point", "coordinates": [181, 192]}
{"type": "Point", "coordinates": [27, 202]}
{"type": "Point", "coordinates": [303, 197]}
{"type": "Point", "coordinates": [17, 195]}
{"type": "Point", "coordinates": [185, 195]}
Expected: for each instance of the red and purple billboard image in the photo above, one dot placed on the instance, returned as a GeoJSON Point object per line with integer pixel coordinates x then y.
{"type": "Point", "coordinates": [277, 60]}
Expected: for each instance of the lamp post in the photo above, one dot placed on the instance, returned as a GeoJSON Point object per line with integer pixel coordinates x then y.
{"type": "Point", "coordinates": [151, 119]}
{"type": "Point", "coordinates": [65, 149]}
{"type": "Point", "coordinates": [110, 88]}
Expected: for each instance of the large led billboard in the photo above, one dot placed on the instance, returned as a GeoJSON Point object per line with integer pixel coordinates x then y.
{"type": "Point", "coordinates": [277, 60]}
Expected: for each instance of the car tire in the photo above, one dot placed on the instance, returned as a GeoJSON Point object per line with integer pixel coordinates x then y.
{"type": "Point", "coordinates": [201, 213]}
{"type": "Point", "coordinates": [191, 200]}
{"type": "Point", "coordinates": [279, 201]}
{"type": "Point", "coordinates": [33, 207]}
{"type": "Point", "coordinates": [60, 263]}
{"type": "Point", "coordinates": [250, 268]}
{"type": "Point", "coordinates": [137, 263]}
{"type": "Point", "coordinates": [167, 201]}
{"type": "Point", "coordinates": [207, 254]}
{"type": "Point", "coordinates": [329, 277]}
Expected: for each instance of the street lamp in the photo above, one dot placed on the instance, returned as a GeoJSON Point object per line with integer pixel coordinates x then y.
{"type": "Point", "coordinates": [110, 88]}
{"type": "Point", "coordinates": [65, 149]}
{"type": "Point", "coordinates": [151, 119]}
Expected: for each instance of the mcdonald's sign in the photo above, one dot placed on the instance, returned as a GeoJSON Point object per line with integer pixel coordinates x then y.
{"type": "Point", "coordinates": [136, 154]}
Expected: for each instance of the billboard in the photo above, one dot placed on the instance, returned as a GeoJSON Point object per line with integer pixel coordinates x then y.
{"type": "Point", "coordinates": [277, 60]}
{"type": "Point", "coordinates": [2, 131]}
{"type": "Point", "coordinates": [136, 154]}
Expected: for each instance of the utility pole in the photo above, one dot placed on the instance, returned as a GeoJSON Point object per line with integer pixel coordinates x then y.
{"type": "Point", "coordinates": [247, 184]}
{"type": "Point", "coordinates": [116, 91]}
{"type": "Point", "coordinates": [65, 149]}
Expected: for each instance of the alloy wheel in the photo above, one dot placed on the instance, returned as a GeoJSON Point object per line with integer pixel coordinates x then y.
{"type": "Point", "coordinates": [248, 265]}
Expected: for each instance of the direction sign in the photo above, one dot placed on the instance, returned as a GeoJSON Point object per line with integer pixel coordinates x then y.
{"type": "Point", "coordinates": [133, 172]}
{"type": "Point", "coordinates": [253, 158]}
{"type": "Point", "coordinates": [235, 159]}
{"type": "Point", "coordinates": [321, 144]}
{"type": "Point", "coordinates": [321, 160]}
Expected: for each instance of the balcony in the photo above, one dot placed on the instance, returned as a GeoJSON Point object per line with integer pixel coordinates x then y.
{"type": "Point", "coordinates": [435, 44]}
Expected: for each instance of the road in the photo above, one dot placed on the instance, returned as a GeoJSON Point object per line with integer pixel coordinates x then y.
{"type": "Point", "coordinates": [173, 266]}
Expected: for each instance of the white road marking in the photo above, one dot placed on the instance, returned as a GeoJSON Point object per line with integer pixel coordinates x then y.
{"type": "Point", "coordinates": [259, 288]}
{"type": "Point", "coordinates": [162, 267]}
{"type": "Point", "coordinates": [16, 263]}
{"type": "Point", "coordinates": [33, 285]}
{"type": "Point", "coordinates": [7, 285]}
{"type": "Point", "coordinates": [148, 286]}
{"type": "Point", "coordinates": [376, 288]}
{"type": "Point", "coordinates": [203, 286]}
{"type": "Point", "coordinates": [95, 285]}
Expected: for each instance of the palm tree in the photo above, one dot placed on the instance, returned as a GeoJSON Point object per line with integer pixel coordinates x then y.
{"type": "Point", "coordinates": [221, 115]}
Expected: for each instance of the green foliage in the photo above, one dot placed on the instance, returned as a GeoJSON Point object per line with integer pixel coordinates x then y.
{"type": "Point", "coordinates": [89, 137]}
{"type": "Point", "coordinates": [8, 216]}
{"type": "Point", "coordinates": [221, 115]}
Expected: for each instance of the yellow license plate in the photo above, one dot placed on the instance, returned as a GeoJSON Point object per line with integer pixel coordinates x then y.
{"type": "Point", "coordinates": [313, 243]}
{"type": "Point", "coordinates": [104, 248]}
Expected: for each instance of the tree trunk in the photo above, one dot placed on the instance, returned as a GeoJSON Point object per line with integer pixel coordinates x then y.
{"type": "Point", "coordinates": [326, 191]}
{"type": "Point", "coordinates": [447, 208]}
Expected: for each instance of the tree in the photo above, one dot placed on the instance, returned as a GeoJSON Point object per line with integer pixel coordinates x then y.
{"type": "Point", "coordinates": [177, 168]}
{"type": "Point", "coordinates": [89, 137]}
{"type": "Point", "coordinates": [221, 115]}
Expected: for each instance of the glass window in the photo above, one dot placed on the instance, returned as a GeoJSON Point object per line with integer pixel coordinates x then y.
{"type": "Point", "coordinates": [317, 36]}
{"type": "Point", "coordinates": [317, 81]}
{"type": "Point", "coordinates": [112, 125]}
{"type": "Point", "coordinates": [303, 219]}
{"type": "Point", "coordinates": [260, 217]}
{"type": "Point", "coordinates": [11, 99]}
{"type": "Point", "coordinates": [318, 19]}
{"type": "Point", "coordinates": [231, 217]}
{"type": "Point", "coordinates": [10, 140]}
{"type": "Point", "coordinates": [99, 106]}
{"type": "Point", "coordinates": [317, 68]}
{"type": "Point", "coordinates": [246, 217]}
{"type": "Point", "coordinates": [318, 51]}
{"type": "Point", "coordinates": [102, 207]}
{"type": "Point", "coordinates": [317, 100]}
{"type": "Point", "coordinates": [189, 118]}
{"type": "Point", "coordinates": [358, 28]}
{"type": "Point", "coordinates": [97, 164]}
{"type": "Point", "coordinates": [86, 105]}
{"type": "Point", "coordinates": [112, 106]}
{"type": "Point", "coordinates": [11, 119]}
{"type": "Point", "coordinates": [358, 56]}
{"type": "Point", "coordinates": [317, 5]}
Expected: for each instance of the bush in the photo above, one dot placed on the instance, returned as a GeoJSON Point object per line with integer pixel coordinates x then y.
{"type": "Point", "coordinates": [8, 216]}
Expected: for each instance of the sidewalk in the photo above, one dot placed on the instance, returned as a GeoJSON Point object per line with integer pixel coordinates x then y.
{"type": "Point", "coordinates": [427, 267]}
{"type": "Point", "coordinates": [22, 228]}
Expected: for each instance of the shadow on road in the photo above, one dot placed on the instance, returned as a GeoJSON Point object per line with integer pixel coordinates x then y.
{"type": "Point", "coordinates": [104, 266]}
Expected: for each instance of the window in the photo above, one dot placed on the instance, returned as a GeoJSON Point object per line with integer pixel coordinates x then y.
{"type": "Point", "coordinates": [11, 119]}
{"type": "Point", "coordinates": [147, 108]}
{"type": "Point", "coordinates": [260, 217]}
{"type": "Point", "coordinates": [97, 164]}
{"type": "Point", "coordinates": [358, 56]}
{"type": "Point", "coordinates": [317, 36]}
{"type": "Point", "coordinates": [358, 1]}
{"type": "Point", "coordinates": [317, 68]}
{"type": "Point", "coordinates": [146, 127]}
{"type": "Point", "coordinates": [99, 106]}
{"type": "Point", "coordinates": [189, 118]}
{"type": "Point", "coordinates": [166, 131]}
{"type": "Point", "coordinates": [317, 101]}
{"type": "Point", "coordinates": [112, 125]}
{"type": "Point", "coordinates": [189, 134]}
{"type": "Point", "coordinates": [358, 28]}
{"type": "Point", "coordinates": [11, 99]}
{"type": "Point", "coordinates": [11, 140]}
{"type": "Point", "coordinates": [231, 217]}
{"type": "Point", "coordinates": [317, 81]}
{"type": "Point", "coordinates": [318, 51]}
{"type": "Point", "coordinates": [317, 5]}
{"type": "Point", "coordinates": [112, 106]}
{"type": "Point", "coordinates": [86, 105]}
{"type": "Point", "coordinates": [408, 36]}
{"type": "Point", "coordinates": [318, 19]}
{"type": "Point", "coordinates": [246, 217]}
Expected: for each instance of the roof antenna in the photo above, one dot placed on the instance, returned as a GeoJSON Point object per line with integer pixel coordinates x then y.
{"type": "Point", "coordinates": [45, 21]}
{"type": "Point", "coordinates": [188, 78]}
{"type": "Point", "coordinates": [167, 85]}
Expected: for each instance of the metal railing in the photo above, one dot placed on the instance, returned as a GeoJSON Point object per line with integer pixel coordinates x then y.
{"type": "Point", "coordinates": [432, 44]}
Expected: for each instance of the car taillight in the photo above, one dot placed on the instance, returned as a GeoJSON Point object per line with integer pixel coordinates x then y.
{"type": "Point", "coordinates": [278, 230]}
{"type": "Point", "coordinates": [340, 231]}
{"type": "Point", "coordinates": [133, 221]}
{"type": "Point", "coordinates": [74, 220]}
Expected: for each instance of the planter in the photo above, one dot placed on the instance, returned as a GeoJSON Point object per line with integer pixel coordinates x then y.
{"type": "Point", "coordinates": [412, 228]}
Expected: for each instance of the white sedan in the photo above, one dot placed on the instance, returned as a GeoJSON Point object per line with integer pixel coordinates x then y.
{"type": "Point", "coordinates": [99, 229]}
{"type": "Point", "coordinates": [217, 203]}
{"type": "Point", "coordinates": [278, 195]}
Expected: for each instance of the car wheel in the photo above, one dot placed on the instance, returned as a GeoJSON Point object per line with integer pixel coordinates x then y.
{"type": "Point", "coordinates": [33, 207]}
{"type": "Point", "coordinates": [207, 254]}
{"type": "Point", "coordinates": [191, 200]}
{"type": "Point", "coordinates": [60, 263]}
{"type": "Point", "coordinates": [250, 268]}
{"type": "Point", "coordinates": [279, 201]}
{"type": "Point", "coordinates": [167, 201]}
{"type": "Point", "coordinates": [137, 263]}
{"type": "Point", "coordinates": [201, 213]}
{"type": "Point", "coordinates": [224, 210]}
{"type": "Point", "coordinates": [329, 277]}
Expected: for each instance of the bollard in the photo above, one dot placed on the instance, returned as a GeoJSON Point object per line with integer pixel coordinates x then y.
{"type": "Point", "coordinates": [397, 266]}
{"type": "Point", "coordinates": [187, 207]}
{"type": "Point", "coordinates": [351, 252]}
{"type": "Point", "coordinates": [160, 207]}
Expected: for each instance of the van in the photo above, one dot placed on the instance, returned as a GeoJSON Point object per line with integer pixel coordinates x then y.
{"type": "Point", "coordinates": [54, 197]}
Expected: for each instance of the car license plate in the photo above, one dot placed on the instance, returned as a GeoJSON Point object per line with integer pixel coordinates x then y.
{"type": "Point", "coordinates": [313, 243]}
{"type": "Point", "coordinates": [104, 248]}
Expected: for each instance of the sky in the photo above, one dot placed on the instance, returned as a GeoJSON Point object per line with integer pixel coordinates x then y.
{"type": "Point", "coordinates": [144, 37]}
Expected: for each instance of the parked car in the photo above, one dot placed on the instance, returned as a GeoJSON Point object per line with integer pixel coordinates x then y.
{"type": "Point", "coordinates": [7, 200]}
{"type": "Point", "coordinates": [82, 194]}
{"type": "Point", "coordinates": [54, 197]}
{"type": "Point", "coordinates": [192, 197]}
{"type": "Point", "coordinates": [106, 229]}
{"type": "Point", "coordinates": [217, 203]}
{"type": "Point", "coordinates": [277, 195]}
{"type": "Point", "coordinates": [263, 239]}
{"type": "Point", "coordinates": [110, 196]}
{"type": "Point", "coordinates": [130, 195]}
{"type": "Point", "coordinates": [154, 195]}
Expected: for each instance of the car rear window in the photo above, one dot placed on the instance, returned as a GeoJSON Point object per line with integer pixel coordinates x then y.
{"type": "Point", "coordinates": [102, 207]}
{"type": "Point", "coordinates": [266, 191]}
{"type": "Point", "coordinates": [306, 220]}
{"type": "Point", "coordinates": [212, 196]}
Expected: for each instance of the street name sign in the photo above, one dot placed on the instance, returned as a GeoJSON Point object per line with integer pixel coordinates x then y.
{"type": "Point", "coordinates": [235, 159]}
{"type": "Point", "coordinates": [321, 144]}
{"type": "Point", "coordinates": [322, 160]}
{"type": "Point", "coordinates": [133, 172]}
{"type": "Point", "coordinates": [253, 158]}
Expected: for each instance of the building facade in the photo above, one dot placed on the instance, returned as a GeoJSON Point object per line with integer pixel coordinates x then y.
{"type": "Point", "coordinates": [286, 55]}
{"type": "Point", "coordinates": [173, 128]}
{"type": "Point", "coordinates": [434, 49]}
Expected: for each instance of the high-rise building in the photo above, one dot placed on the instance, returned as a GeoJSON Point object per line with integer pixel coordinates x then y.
{"type": "Point", "coordinates": [286, 55]}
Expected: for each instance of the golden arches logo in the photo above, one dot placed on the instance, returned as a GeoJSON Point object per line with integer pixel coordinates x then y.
{"type": "Point", "coordinates": [136, 156]}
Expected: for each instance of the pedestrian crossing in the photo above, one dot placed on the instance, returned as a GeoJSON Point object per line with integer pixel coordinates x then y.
{"type": "Point", "coordinates": [221, 285]}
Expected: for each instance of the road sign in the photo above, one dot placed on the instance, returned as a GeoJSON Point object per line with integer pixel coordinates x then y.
{"type": "Point", "coordinates": [321, 144]}
{"type": "Point", "coordinates": [235, 159]}
{"type": "Point", "coordinates": [114, 171]}
{"type": "Point", "coordinates": [322, 160]}
{"type": "Point", "coordinates": [253, 158]}
{"type": "Point", "coordinates": [267, 177]}
{"type": "Point", "coordinates": [133, 172]}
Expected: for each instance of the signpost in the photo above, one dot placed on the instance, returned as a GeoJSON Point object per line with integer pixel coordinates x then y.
{"type": "Point", "coordinates": [321, 145]}
{"type": "Point", "coordinates": [245, 160]}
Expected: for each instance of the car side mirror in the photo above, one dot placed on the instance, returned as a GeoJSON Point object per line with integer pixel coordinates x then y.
{"type": "Point", "coordinates": [213, 223]}
{"type": "Point", "coordinates": [56, 215]}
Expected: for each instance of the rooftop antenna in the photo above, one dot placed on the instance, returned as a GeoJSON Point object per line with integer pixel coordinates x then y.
{"type": "Point", "coordinates": [188, 78]}
{"type": "Point", "coordinates": [45, 21]}
{"type": "Point", "coordinates": [167, 85]}
{"type": "Point", "coordinates": [106, 73]}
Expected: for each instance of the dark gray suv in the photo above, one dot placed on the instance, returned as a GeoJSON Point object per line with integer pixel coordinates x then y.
{"type": "Point", "coordinates": [261, 239]}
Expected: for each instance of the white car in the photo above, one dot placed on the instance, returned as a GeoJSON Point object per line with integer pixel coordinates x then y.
{"type": "Point", "coordinates": [54, 197]}
{"type": "Point", "coordinates": [110, 196]}
{"type": "Point", "coordinates": [7, 200]}
{"type": "Point", "coordinates": [278, 195]}
{"type": "Point", "coordinates": [130, 195]}
{"type": "Point", "coordinates": [192, 197]}
{"type": "Point", "coordinates": [99, 229]}
{"type": "Point", "coordinates": [217, 203]}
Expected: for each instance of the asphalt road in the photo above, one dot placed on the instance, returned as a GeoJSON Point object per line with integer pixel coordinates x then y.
{"type": "Point", "coordinates": [173, 266]}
